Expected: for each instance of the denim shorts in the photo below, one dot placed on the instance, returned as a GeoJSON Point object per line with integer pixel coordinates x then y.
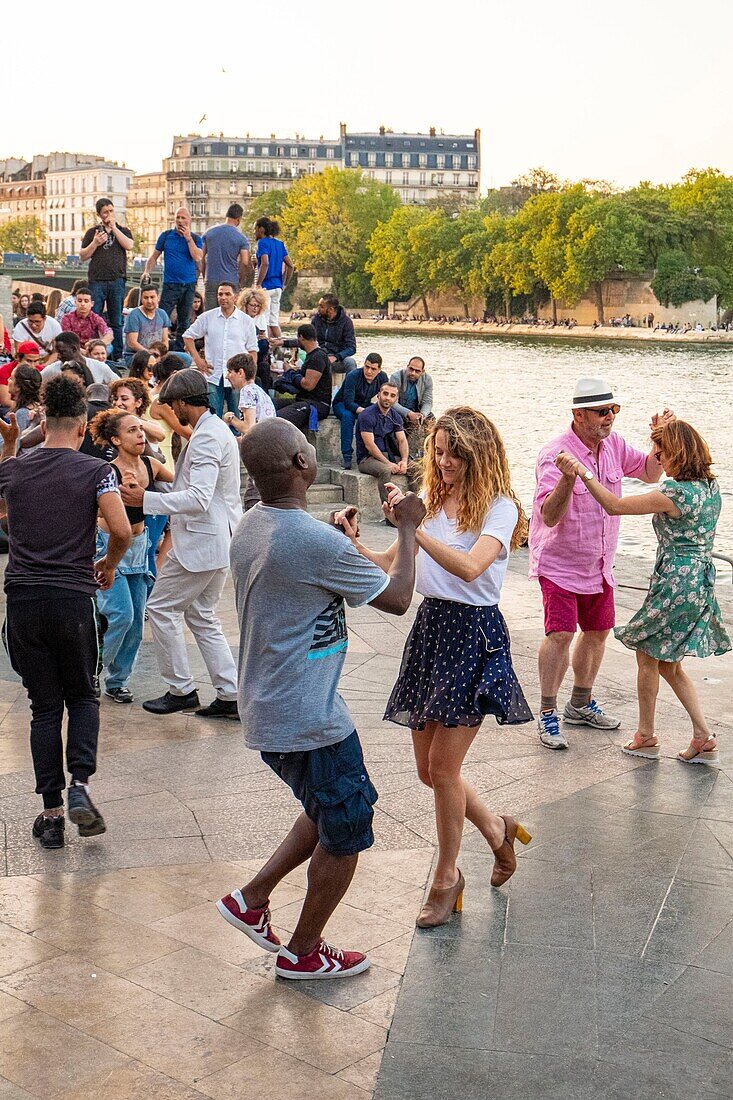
{"type": "Point", "coordinates": [335, 791]}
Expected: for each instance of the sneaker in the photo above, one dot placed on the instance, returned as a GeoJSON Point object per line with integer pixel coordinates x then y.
{"type": "Point", "coordinates": [548, 724]}
{"type": "Point", "coordinates": [171, 704]}
{"type": "Point", "coordinates": [255, 923]}
{"type": "Point", "coordinates": [120, 695]}
{"type": "Point", "coordinates": [83, 812]}
{"type": "Point", "coordinates": [50, 831]}
{"type": "Point", "coordinates": [590, 715]}
{"type": "Point", "coordinates": [323, 961]}
{"type": "Point", "coordinates": [220, 708]}
{"type": "Point", "coordinates": [97, 687]}
{"type": "Point", "coordinates": [346, 464]}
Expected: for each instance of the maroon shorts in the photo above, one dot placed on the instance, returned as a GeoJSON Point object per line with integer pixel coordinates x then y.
{"type": "Point", "coordinates": [565, 611]}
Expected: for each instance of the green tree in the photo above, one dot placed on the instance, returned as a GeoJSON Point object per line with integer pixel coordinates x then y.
{"type": "Point", "coordinates": [327, 222]}
{"type": "Point", "coordinates": [393, 264]}
{"type": "Point", "coordinates": [676, 282]}
{"type": "Point", "coordinates": [268, 204]}
{"type": "Point", "coordinates": [706, 196]}
{"type": "Point", "coordinates": [24, 235]}
{"type": "Point", "coordinates": [602, 238]}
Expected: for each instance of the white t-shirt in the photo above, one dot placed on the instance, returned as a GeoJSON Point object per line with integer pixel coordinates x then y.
{"type": "Point", "coordinates": [100, 371]}
{"type": "Point", "coordinates": [254, 397]}
{"type": "Point", "coordinates": [432, 580]}
{"type": "Point", "coordinates": [51, 329]}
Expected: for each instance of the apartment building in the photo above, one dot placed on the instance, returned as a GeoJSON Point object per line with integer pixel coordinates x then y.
{"type": "Point", "coordinates": [70, 197]}
{"type": "Point", "coordinates": [147, 209]}
{"type": "Point", "coordinates": [420, 167]}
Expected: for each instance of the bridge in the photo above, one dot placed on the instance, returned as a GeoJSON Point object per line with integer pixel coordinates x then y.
{"type": "Point", "coordinates": [63, 276]}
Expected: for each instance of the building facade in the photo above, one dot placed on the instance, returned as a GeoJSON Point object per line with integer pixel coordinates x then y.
{"type": "Point", "coordinates": [420, 167]}
{"type": "Point", "coordinates": [207, 174]}
{"type": "Point", "coordinates": [147, 209]}
{"type": "Point", "coordinates": [70, 197]}
{"type": "Point", "coordinates": [23, 199]}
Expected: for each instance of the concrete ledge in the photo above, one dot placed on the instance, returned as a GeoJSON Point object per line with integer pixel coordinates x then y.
{"type": "Point", "coordinates": [327, 441]}
{"type": "Point", "coordinates": [361, 490]}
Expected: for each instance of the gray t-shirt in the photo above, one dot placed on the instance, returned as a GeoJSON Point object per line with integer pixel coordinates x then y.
{"type": "Point", "coordinates": [292, 574]}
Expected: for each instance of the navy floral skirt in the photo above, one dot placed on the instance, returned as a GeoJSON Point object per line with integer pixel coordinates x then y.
{"type": "Point", "coordinates": [456, 669]}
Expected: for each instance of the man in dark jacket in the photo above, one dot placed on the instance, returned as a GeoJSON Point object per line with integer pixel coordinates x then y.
{"type": "Point", "coordinates": [358, 390]}
{"type": "Point", "coordinates": [335, 334]}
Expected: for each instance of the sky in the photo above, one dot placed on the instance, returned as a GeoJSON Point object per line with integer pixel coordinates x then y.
{"type": "Point", "coordinates": [623, 91]}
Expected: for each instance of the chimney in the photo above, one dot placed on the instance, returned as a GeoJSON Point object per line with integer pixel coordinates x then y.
{"type": "Point", "coordinates": [381, 131]}
{"type": "Point", "coordinates": [432, 131]}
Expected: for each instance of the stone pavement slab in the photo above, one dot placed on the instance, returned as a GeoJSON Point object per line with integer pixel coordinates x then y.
{"type": "Point", "coordinates": [602, 969]}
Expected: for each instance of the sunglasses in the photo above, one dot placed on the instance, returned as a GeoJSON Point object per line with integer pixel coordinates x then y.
{"type": "Point", "coordinates": [615, 409]}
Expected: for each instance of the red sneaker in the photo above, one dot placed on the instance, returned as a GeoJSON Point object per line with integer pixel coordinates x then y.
{"type": "Point", "coordinates": [323, 961]}
{"type": "Point", "coordinates": [255, 923]}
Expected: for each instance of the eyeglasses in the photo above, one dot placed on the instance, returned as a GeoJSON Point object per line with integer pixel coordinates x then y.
{"type": "Point", "coordinates": [615, 409]}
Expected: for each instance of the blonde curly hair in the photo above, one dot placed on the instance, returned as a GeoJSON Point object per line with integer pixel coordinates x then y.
{"type": "Point", "coordinates": [259, 295]}
{"type": "Point", "coordinates": [472, 438]}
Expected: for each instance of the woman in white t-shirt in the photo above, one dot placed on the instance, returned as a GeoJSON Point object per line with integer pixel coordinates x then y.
{"type": "Point", "coordinates": [457, 666]}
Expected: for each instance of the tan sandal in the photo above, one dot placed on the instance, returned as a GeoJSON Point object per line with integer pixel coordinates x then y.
{"type": "Point", "coordinates": [440, 904]}
{"type": "Point", "coordinates": [645, 747]}
{"type": "Point", "coordinates": [696, 753]}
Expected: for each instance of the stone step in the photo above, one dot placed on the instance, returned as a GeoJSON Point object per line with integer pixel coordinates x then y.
{"type": "Point", "coordinates": [325, 493]}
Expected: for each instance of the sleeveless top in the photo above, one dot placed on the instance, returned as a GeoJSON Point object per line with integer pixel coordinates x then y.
{"type": "Point", "coordinates": [135, 513]}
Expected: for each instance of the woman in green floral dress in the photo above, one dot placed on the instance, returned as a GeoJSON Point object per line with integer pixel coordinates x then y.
{"type": "Point", "coordinates": [680, 616]}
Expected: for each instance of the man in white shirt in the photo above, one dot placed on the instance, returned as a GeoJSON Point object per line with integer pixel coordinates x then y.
{"type": "Point", "coordinates": [68, 347]}
{"type": "Point", "coordinates": [38, 327]}
{"type": "Point", "coordinates": [227, 331]}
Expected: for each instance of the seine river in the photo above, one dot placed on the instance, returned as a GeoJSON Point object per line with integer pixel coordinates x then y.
{"type": "Point", "coordinates": [525, 386]}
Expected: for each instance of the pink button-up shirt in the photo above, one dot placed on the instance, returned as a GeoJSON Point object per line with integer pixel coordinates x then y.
{"type": "Point", "coordinates": [578, 552]}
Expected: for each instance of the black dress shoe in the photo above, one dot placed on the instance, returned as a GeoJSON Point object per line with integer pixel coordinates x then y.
{"type": "Point", "coordinates": [170, 704]}
{"type": "Point", "coordinates": [50, 831]}
{"type": "Point", "coordinates": [220, 708]}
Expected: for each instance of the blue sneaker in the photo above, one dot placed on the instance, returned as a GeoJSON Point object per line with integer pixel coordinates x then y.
{"type": "Point", "coordinates": [551, 735]}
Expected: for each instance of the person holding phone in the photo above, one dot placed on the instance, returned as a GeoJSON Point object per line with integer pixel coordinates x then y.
{"type": "Point", "coordinates": [105, 247]}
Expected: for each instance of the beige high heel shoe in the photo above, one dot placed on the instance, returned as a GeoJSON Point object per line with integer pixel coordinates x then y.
{"type": "Point", "coordinates": [505, 862]}
{"type": "Point", "coordinates": [440, 904]}
{"type": "Point", "coordinates": [696, 753]}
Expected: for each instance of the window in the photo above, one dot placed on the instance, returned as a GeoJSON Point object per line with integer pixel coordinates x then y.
{"type": "Point", "coordinates": [330, 152]}
{"type": "Point", "coordinates": [311, 169]}
{"type": "Point", "coordinates": [388, 160]}
{"type": "Point", "coordinates": [471, 162]}
{"type": "Point", "coordinates": [421, 179]}
{"type": "Point", "coordinates": [73, 185]}
{"type": "Point", "coordinates": [440, 160]}
{"type": "Point", "coordinates": [207, 149]}
{"type": "Point", "coordinates": [456, 178]}
{"type": "Point", "coordinates": [423, 160]}
{"type": "Point", "coordinates": [281, 150]}
{"type": "Point", "coordinates": [265, 152]}
{"type": "Point", "coordinates": [456, 161]}
{"type": "Point", "coordinates": [406, 160]}
{"type": "Point", "coordinates": [439, 180]}
{"type": "Point", "coordinates": [265, 166]}
{"type": "Point", "coordinates": [250, 166]}
{"type": "Point", "coordinates": [110, 184]}
{"type": "Point", "coordinates": [63, 221]}
{"type": "Point", "coordinates": [293, 150]}
{"type": "Point", "coordinates": [233, 166]}
{"type": "Point", "coordinates": [250, 150]}
{"type": "Point", "coordinates": [371, 159]}
{"type": "Point", "coordinates": [405, 178]}
{"type": "Point", "coordinates": [404, 196]}
{"type": "Point", "coordinates": [280, 168]}
{"type": "Point", "coordinates": [231, 150]}
{"type": "Point", "coordinates": [471, 181]}
{"type": "Point", "coordinates": [354, 160]}
{"type": "Point", "coordinates": [72, 226]}
{"type": "Point", "coordinates": [387, 177]}
{"type": "Point", "coordinates": [313, 152]}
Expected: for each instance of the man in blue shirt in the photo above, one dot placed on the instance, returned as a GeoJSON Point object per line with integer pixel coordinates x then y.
{"type": "Point", "coordinates": [381, 443]}
{"type": "Point", "coordinates": [181, 251]}
{"type": "Point", "coordinates": [274, 270]}
{"type": "Point", "coordinates": [226, 255]}
{"type": "Point", "coordinates": [358, 390]}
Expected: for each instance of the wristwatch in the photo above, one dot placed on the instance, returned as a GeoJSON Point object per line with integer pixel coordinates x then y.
{"type": "Point", "coordinates": [588, 474]}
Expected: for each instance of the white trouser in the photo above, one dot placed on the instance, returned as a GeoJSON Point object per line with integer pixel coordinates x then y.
{"type": "Point", "coordinates": [180, 596]}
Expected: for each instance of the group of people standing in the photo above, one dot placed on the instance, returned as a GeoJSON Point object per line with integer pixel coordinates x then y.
{"type": "Point", "coordinates": [79, 523]}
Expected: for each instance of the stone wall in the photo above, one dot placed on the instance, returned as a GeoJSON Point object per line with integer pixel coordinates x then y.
{"type": "Point", "coordinates": [635, 297]}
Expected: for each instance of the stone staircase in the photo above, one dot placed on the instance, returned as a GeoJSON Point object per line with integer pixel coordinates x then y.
{"type": "Point", "coordinates": [335, 487]}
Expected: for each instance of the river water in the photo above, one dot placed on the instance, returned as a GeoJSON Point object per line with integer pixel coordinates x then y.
{"type": "Point", "coordinates": [525, 386]}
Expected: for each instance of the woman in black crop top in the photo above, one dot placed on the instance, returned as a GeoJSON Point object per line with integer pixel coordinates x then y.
{"type": "Point", "coordinates": [123, 604]}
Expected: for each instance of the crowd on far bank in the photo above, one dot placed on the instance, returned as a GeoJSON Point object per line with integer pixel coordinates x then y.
{"type": "Point", "coordinates": [120, 484]}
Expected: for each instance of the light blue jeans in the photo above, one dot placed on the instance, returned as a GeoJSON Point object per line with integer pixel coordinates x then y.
{"type": "Point", "coordinates": [123, 605]}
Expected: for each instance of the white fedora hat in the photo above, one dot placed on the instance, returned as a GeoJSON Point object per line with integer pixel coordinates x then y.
{"type": "Point", "coordinates": [592, 393]}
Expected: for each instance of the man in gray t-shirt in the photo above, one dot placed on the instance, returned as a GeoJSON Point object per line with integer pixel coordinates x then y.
{"type": "Point", "coordinates": [292, 575]}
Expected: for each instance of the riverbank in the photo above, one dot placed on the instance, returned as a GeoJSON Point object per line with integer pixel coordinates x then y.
{"type": "Point", "coordinates": [580, 332]}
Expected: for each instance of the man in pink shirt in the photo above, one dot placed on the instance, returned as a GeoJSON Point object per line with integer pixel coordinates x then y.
{"type": "Point", "coordinates": [86, 324]}
{"type": "Point", "coordinates": [572, 545]}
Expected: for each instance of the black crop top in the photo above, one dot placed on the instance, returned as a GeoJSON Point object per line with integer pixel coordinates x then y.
{"type": "Point", "coordinates": [135, 513]}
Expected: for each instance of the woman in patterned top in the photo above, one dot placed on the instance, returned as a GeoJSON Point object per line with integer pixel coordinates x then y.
{"type": "Point", "coordinates": [680, 616]}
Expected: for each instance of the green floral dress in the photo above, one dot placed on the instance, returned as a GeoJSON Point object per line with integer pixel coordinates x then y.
{"type": "Point", "coordinates": [680, 616]}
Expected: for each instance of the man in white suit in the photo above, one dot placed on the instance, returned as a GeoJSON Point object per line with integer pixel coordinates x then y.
{"type": "Point", "coordinates": [205, 507]}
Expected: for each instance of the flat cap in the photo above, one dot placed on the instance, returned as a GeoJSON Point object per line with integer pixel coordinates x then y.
{"type": "Point", "coordinates": [183, 385]}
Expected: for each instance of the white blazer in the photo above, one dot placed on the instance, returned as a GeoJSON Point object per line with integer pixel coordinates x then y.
{"type": "Point", "coordinates": [204, 503]}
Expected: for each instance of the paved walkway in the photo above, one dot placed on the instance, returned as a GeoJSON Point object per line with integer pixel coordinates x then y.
{"type": "Point", "coordinates": [605, 969]}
